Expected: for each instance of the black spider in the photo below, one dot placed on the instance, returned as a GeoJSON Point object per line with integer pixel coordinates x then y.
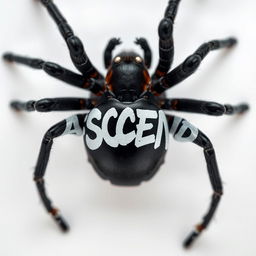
{"type": "Point", "coordinates": [126, 131]}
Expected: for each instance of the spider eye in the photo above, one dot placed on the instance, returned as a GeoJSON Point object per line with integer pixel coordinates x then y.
{"type": "Point", "coordinates": [117, 59]}
{"type": "Point", "coordinates": [138, 59]}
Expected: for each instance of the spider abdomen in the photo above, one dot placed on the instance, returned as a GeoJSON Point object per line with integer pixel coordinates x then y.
{"type": "Point", "coordinates": [126, 142]}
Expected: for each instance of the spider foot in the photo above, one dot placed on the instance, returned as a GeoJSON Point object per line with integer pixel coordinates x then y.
{"type": "Point", "coordinates": [238, 109]}
{"type": "Point", "coordinates": [190, 239]}
{"type": "Point", "coordinates": [243, 108]}
{"type": "Point", "coordinates": [8, 56]}
{"type": "Point", "coordinates": [15, 105]}
{"type": "Point", "coordinates": [18, 105]}
{"type": "Point", "coordinates": [232, 41]}
{"type": "Point", "coordinates": [113, 42]}
{"type": "Point", "coordinates": [193, 236]}
{"type": "Point", "coordinates": [60, 221]}
{"type": "Point", "coordinates": [141, 41]}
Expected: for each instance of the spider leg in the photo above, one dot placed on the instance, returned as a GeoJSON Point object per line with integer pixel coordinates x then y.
{"type": "Point", "coordinates": [76, 48]}
{"type": "Point", "coordinates": [71, 125]}
{"type": "Point", "coordinates": [166, 45]}
{"type": "Point", "coordinates": [183, 131]}
{"type": "Point", "coordinates": [57, 72]}
{"type": "Point", "coordinates": [50, 68]}
{"type": "Point", "coordinates": [53, 104]}
{"type": "Point", "coordinates": [203, 107]}
{"type": "Point", "coordinates": [190, 65]}
{"type": "Point", "coordinates": [113, 42]}
{"type": "Point", "coordinates": [147, 51]}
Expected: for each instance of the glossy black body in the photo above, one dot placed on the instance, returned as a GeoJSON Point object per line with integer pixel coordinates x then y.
{"type": "Point", "coordinates": [128, 77]}
{"type": "Point", "coordinates": [127, 165]}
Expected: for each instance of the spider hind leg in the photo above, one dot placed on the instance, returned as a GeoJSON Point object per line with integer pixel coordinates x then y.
{"type": "Point", "coordinates": [178, 128]}
{"type": "Point", "coordinates": [72, 125]}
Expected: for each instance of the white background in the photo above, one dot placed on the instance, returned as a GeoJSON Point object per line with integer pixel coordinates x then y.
{"type": "Point", "coordinates": [154, 218]}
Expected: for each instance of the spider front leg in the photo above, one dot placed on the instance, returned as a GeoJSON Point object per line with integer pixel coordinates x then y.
{"type": "Point", "coordinates": [50, 68]}
{"type": "Point", "coordinates": [190, 65]}
{"type": "Point", "coordinates": [72, 125]}
{"type": "Point", "coordinates": [203, 107]}
{"type": "Point", "coordinates": [76, 48]}
{"type": "Point", "coordinates": [53, 104]}
{"type": "Point", "coordinates": [113, 42]}
{"type": "Point", "coordinates": [166, 45]}
{"type": "Point", "coordinates": [58, 72]}
{"type": "Point", "coordinates": [183, 131]}
{"type": "Point", "coordinates": [147, 51]}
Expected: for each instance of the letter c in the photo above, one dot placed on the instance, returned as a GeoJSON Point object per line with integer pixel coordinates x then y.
{"type": "Point", "coordinates": [111, 141]}
{"type": "Point", "coordinates": [125, 139]}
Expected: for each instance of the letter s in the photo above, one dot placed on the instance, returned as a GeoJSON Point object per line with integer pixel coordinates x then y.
{"type": "Point", "coordinates": [94, 144]}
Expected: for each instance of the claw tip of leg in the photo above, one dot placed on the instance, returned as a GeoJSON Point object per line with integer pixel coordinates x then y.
{"type": "Point", "coordinates": [64, 228]}
{"type": "Point", "coordinates": [13, 106]}
{"type": "Point", "coordinates": [233, 41]}
{"type": "Point", "coordinates": [62, 224]}
{"type": "Point", "coordinates": [244, 108]}
{"type": "Point", "coordinates": [187, 244]}
{"type": "Point", "coordinates": [190, 240]}
{"type": "Point", "coordinates": [7, 56]}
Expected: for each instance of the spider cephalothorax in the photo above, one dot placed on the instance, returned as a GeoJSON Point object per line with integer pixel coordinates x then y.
{"type": "Point", "coordinates": [126, 131]}
{"type": "Point", "coordinates": [128, 76]}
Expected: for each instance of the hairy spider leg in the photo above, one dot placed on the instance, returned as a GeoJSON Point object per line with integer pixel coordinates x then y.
{"type": "Point", "coordinates": [143, 43]}
{"type": "Point", "coordinates": [76, 48]}
{"type": "Point", "coordinates": [190, 65]}
{"type": "Point", "coordinates": [166, 44]}
{"type": "Point", "coordinates": [53, 104]}
{"type": "Point", "coordinates": [183, 131]}
{"type": "Point", "coordinates": [62, 128]}
{"type": "Point", "coordinates": [203, 107]}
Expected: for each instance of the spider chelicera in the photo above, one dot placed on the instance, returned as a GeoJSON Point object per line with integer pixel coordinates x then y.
{"type": "Point", "coordinates": [126, 131]}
